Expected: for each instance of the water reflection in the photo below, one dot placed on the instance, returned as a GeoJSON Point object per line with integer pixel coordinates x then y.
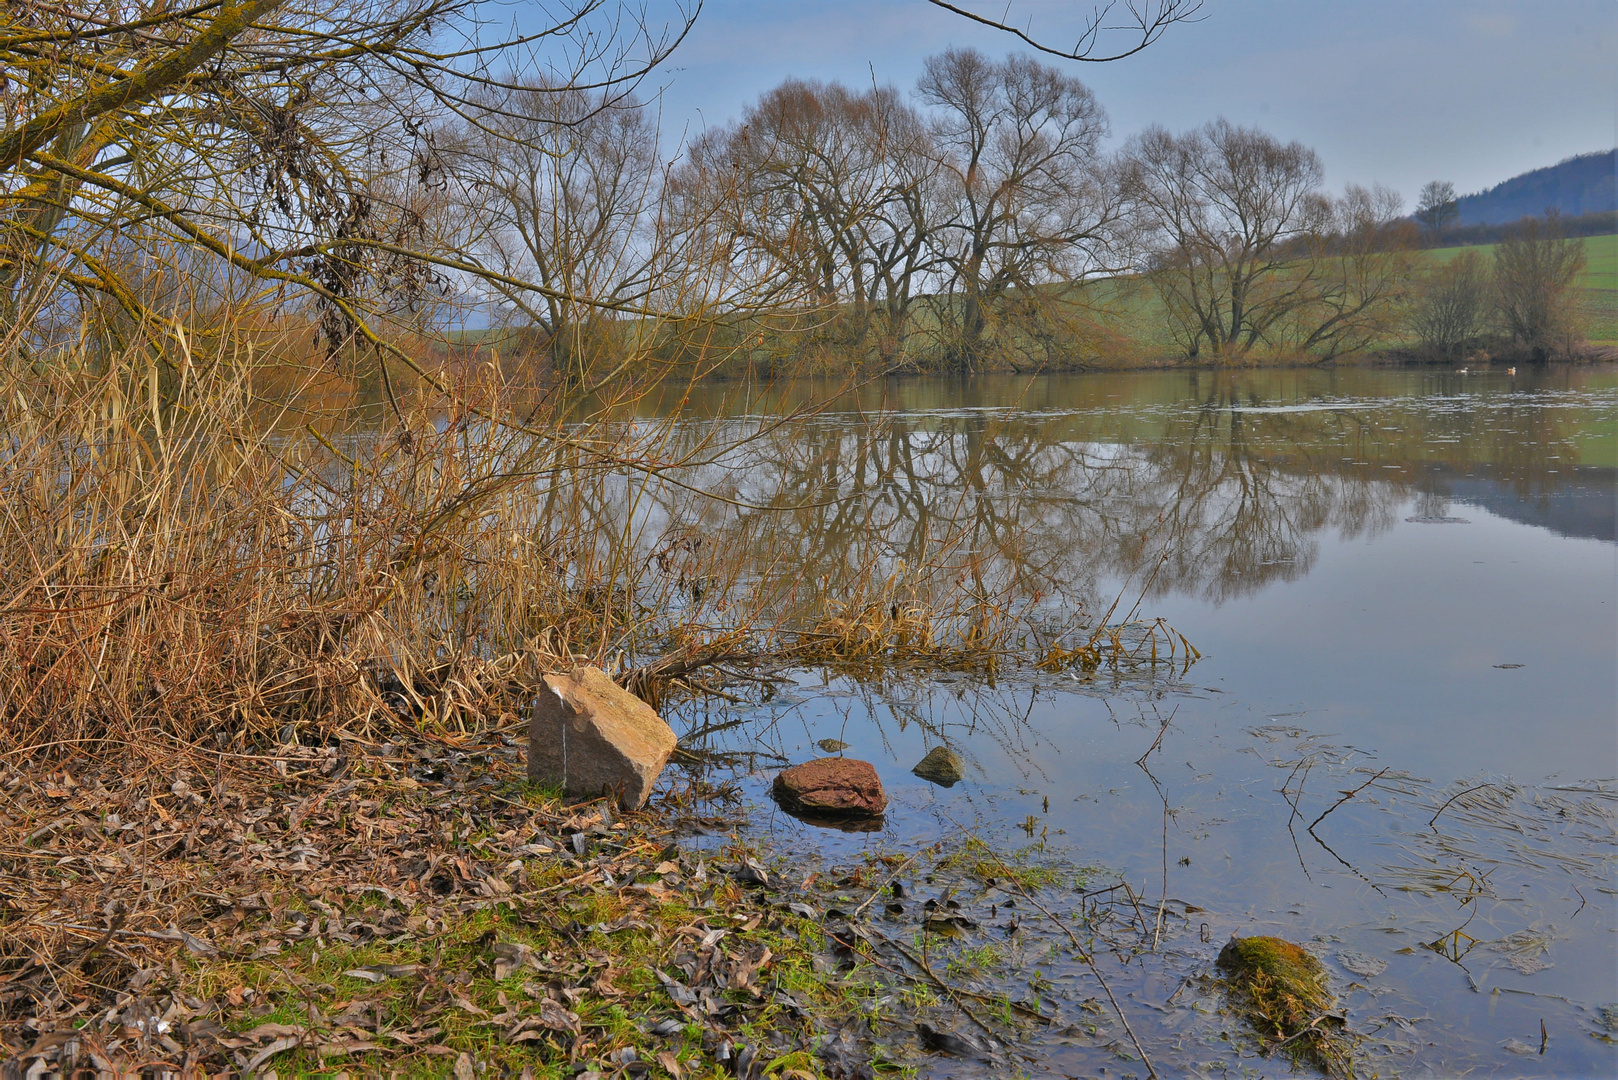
{"type": "Point", "coordinates": [1359, 639]}
{"type": "Point", "coordinates": [1211, 485]}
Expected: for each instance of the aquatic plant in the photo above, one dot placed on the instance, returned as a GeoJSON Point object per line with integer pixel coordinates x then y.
{"type": "Point", "coordinates": [1282, 991]}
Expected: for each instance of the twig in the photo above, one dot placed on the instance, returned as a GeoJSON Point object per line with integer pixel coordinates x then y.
{"type": "Point", "coordinates": [862, 932]}
{"type": "Point", "coordinates": [586, 876]}
{"type": "Point", "coordinates": [1313, 1028]}
{"type": "Point", "coordinates": [1306, 764]}
{"type": "Point", "coordinates": [884, 885]}
{"type": "Point", "coordinates": [114, 925]}
{"type": "Point", "coordinates": [1452, 798]}
{"type": "Point", "coordinates": [1346, 796]}
{"type": "Point", "coordinates": [941, 984]}
{"type": "Point", "coordinates": [1161, 731]}
{"type": "Point", "coordinates": [45, 830]}
{"type": "Point", "coordinates": [1129, 891]}
{"type": "Point", "coordinates": [1084, 954]}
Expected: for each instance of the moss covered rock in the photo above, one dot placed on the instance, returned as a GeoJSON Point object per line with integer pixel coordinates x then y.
{"type": "Point", "coordinates": [1282, 991]}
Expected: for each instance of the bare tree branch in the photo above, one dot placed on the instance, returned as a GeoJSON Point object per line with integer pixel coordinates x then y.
{"type": "Point", "coordinates": [1148, 19]}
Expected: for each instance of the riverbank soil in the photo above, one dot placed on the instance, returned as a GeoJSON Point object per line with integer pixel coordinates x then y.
{"type": "Point", "coordinates": [411, 908]}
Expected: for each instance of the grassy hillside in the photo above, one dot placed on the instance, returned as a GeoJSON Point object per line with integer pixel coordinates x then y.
{"type": "Point", "coordinates": [1114, 323]}
{"type": "Point", "coordinates": [1129, 307]}
{"type": "Point", "coordinates": [1599, 281]}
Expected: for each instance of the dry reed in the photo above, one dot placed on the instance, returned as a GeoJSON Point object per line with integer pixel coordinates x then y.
{"type": "Point", "coordinates": [190, 564]}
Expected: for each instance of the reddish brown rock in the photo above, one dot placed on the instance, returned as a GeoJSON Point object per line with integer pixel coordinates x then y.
{"type": "Point", "coordinates": [831, 787]}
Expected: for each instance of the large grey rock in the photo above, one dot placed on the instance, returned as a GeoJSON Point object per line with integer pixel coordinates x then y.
{"type": "Point", "coordinates": [591, 736]}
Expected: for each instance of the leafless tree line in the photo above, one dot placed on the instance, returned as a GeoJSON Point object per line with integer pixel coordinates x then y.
{"type": "Point", "coordinates": [1525, 297]}
{"type": "Point", "coordinates": [965, 224]}
{"type": "Point", "coordinates": [391, 163]}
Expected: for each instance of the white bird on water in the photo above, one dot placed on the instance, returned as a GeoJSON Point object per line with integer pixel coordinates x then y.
{"type": "Point", "coordinates": [1460, 371]}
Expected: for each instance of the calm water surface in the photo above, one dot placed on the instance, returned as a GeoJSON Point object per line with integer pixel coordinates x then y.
{"type": "Point", "coordinates": [1394, 574]}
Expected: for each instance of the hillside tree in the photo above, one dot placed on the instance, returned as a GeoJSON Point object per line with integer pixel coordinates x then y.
{"type": "Point", "coordinates": [1032, 200]}
{"type": "Point", "coordinates": [1536, 272]}
{"type": "Point", "coordinates": [1452, 305]}
{"type": "Point", "coordinates": [1437, 207]}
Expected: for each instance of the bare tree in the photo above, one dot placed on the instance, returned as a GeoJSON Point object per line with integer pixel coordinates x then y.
{"type": "Point", "coordinates": [810, 156]}
{"type": "Point", "coordinates": [897, 238]}
{"type": "Point", "coordinates": [1226, 211]}
{"type": "Point", "coordinates": [282, 140]}
{"type": "Point", "coordinates": [1358, 271]}
{"type": "Point", "coordinates": [1033, 202]}
{"type": "Point", "coordinates": [1452, 304]}
{"type": "Point", "coordinates": [826, 193]}
{"type": "Point", "coordinates": [1535, 271]}
{"type": "Point", "coordinates": [1437, 209]}
{"type": "Point", "coordinates": [562, 188]}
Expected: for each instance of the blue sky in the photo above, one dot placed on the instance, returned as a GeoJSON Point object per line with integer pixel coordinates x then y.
{"type": "Point", "coordinates": [1396, 92]}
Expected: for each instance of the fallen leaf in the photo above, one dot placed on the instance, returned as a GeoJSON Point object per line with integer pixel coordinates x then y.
{"type": "Point", "coordinates": [270, 1051]}
{"type": "Point", "coordinates": [467, 1006]}
{"type": "Point", "coordinates": [509, 956]}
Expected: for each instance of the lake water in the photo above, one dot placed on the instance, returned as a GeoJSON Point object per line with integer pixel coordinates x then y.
{"type": "Point", "coordinates": [1395, 576]}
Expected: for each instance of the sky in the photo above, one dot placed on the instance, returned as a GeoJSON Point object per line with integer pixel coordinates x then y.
{"type": "Point", "coordinates": [1397, 93]}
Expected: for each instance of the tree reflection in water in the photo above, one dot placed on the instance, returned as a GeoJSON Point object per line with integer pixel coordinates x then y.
{"type": "Point", "coordinates": [1058, 490]}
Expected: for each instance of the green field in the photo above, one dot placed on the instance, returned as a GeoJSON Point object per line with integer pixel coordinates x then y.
{"type": "Point", "coordinates": [1599, 281]}
{"type": "Point", "coordinates": [1127, 305]}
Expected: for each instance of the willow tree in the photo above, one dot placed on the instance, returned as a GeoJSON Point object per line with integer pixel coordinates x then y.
{"type": "Point", "coordinates": [1225, 211]}
{"type": "Point", "coordinates": [827, 193]}
{"type": "Point", "coordinates": [1032, 200]}
{"type": "Point", "coordinates": [1536, 272]}
{"type": "Point", "coordinates": [561, 188]}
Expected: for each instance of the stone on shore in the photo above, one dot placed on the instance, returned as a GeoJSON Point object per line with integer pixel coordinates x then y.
{"type": "Point", "coordinates": [941, 766]}
{"type": "Point", "coordinates": [831, 788]}
{"type": "Point", "coordinates": [591, 736]}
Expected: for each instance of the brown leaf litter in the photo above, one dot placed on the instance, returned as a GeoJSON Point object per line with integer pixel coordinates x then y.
{"type": "Point", "coordinates": [398, 907]}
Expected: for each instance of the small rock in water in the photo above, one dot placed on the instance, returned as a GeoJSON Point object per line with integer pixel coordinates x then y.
{"type": "Point", "coordinates": [941, 766]}
{"type": "Point", "coordinates": [949, 1042]}
{"type": "Point", "coordinates": [831, 787]}
{"type": "Point", "coordinates": [593, 737]}
{"type": "Point", "coordinates": [1282, 991]}
{"type": "Point", "coordinates": [832, 746]}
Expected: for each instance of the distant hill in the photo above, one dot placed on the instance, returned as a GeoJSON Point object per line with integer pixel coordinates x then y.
{"type": "Point", "coordinates": [1580, 185]}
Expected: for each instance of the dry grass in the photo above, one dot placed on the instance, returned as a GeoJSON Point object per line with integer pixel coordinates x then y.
{"type": "Point", "coordinates": [190, 564]}
{"type": "Point", "coordinates": [221, 599]}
